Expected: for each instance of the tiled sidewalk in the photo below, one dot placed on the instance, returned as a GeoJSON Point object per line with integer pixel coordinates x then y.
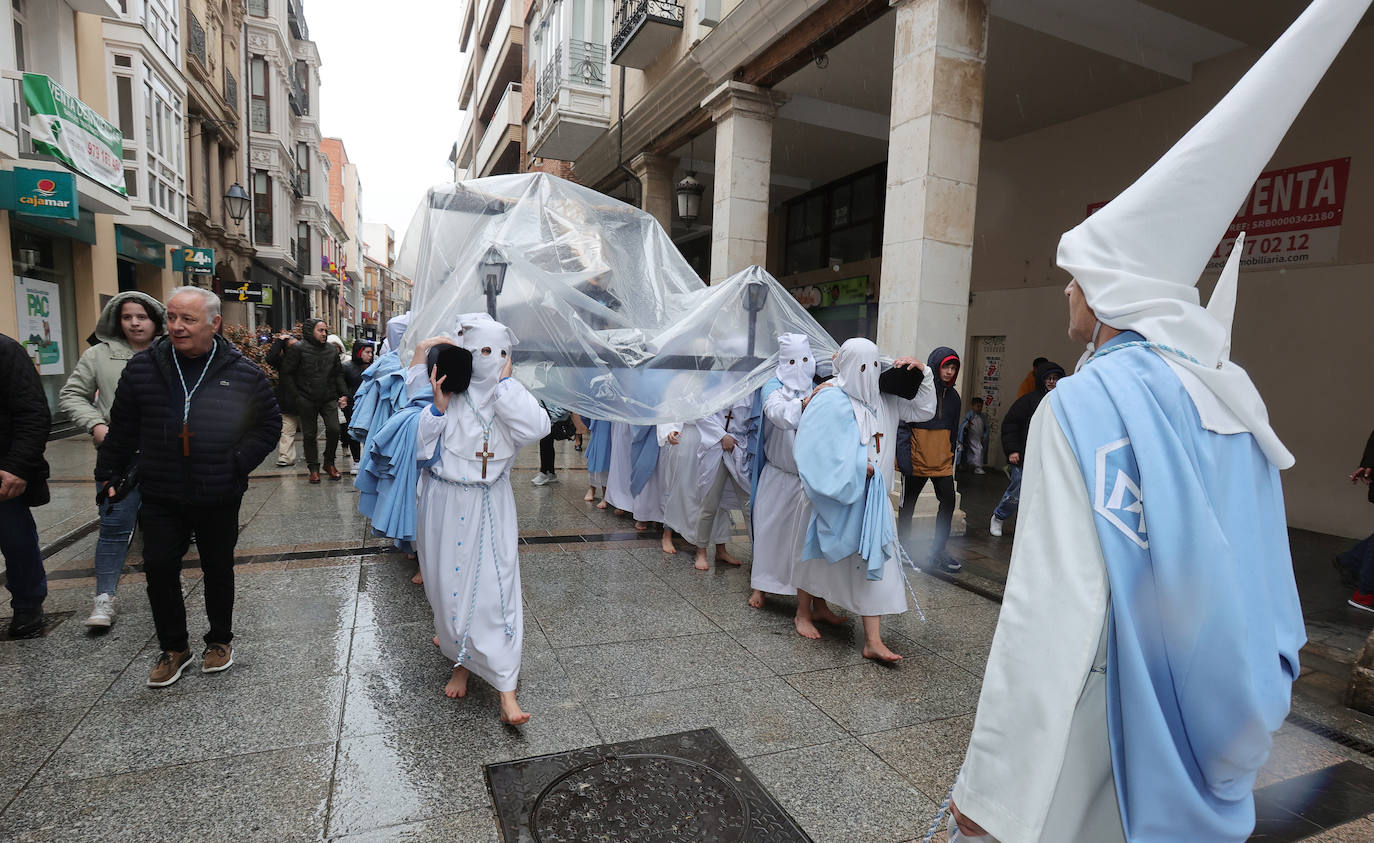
{"type": "Point", "coordinates": [331, 724]}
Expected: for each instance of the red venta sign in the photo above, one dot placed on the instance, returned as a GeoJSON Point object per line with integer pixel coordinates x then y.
{"type": "Point", "coordinates": [1290, 216]}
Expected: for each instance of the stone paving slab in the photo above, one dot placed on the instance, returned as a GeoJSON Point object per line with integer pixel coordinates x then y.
{"type": "Point", "coordinates": [331, 724]}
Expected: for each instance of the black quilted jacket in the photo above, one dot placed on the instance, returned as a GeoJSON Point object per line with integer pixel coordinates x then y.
{"type": "Point", "coordinates": [234, 421]}
{"type": "Point", "coordinates": [24, 421]}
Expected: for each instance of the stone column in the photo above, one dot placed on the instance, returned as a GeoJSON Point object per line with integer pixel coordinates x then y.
{"type": "Point", "coordinates": [214, 207]}
{"type": "Point", "coordinates": [932, 174]}
{"type": "Point", "coordinates": [655, 174]}
{"type": "Point", "coordinates": [743, 115]}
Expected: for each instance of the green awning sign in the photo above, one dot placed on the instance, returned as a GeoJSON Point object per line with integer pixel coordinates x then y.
{"type": "Point", "coordinates": [72, 132]}
{"type": "Point", "coordinates": [193, 259]}
{"type": "Point", "coordinates": [40, 193]}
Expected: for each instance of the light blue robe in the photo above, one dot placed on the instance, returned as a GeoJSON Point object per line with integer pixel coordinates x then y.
{"type": "Point", "coordinates": [598, 447]}
{"type": "Point", "coordinates": [381, 394]}
{"type": "Point", "coordinates": [1204, 620]}
{"type": "Point", "coordinates": [389, 469]}
{"type": "Point", "coordinates": [851, 513]}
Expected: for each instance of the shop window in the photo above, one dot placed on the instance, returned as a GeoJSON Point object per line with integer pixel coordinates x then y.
{"type": "Point", "coordinates": [262, 208]}
{"type": "Point", "coordinates": [841, 221]}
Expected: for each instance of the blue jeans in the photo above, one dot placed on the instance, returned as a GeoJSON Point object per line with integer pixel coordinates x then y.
{"type": "Point", "coordinates": [116, 530]}
{"type": "Point", "coordinates": [1011, 498]}
{"type": "Point", "coordinates": [24, 576]}
{"type": "Point", "coordinates": [1359, 561]}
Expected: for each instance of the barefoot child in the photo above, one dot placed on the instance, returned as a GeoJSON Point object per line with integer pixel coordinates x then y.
{"type": "Point", "coordinates": [466, 517]}
{"type": "Point", "coordinates": [844, 458]}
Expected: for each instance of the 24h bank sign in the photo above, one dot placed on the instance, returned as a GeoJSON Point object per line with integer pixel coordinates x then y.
{"type": "Point", "coordinates": [72, 132]}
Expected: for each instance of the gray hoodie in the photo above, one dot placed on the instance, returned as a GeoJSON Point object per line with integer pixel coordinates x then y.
{"type": "Point", "coordinates": [88, 393]}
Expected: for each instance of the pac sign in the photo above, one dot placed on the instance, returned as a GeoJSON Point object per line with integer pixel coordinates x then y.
{"type": "Point", "coordinates": [198, 260]}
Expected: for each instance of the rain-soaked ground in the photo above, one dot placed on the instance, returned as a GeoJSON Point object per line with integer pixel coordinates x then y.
{"type": "Point", "coordinates": [332, 725]}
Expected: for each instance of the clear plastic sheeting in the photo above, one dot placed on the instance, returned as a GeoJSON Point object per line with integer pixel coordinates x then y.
{"type": "Point", "coordinates": [612, 322]}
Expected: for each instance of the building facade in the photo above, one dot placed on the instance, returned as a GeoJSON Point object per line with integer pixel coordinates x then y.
{"type": "Point", "coordinates": [290, 226]}
{"type": "Point", "coordinates": [345, 204]}
{"type": "Point", "coordinates": [906, 167]}
{"type": "Point", "coordinates": [216, 132]}
{"type": "Point", "coordinates": [491, 96]}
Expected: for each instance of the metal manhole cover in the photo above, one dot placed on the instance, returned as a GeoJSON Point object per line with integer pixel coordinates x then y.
{"type": "Point", "coordinates": [688, 786]}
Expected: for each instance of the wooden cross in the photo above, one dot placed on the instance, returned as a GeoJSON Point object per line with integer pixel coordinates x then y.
{"type": "Point", "coordinates": [878, 443]}
{"type": "Point", "coordinates": [485, 454]}
{"type": "Point", "coordinates": [185, 437]}
{"type": "Point", "coordinates": [728, 416]}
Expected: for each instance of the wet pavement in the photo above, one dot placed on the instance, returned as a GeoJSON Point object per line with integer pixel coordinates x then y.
{"type": "Point", "coordinates": [331, 724]}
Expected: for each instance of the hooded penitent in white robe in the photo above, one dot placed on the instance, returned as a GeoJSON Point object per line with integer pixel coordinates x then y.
{"type": "Point", "coordinates": [781, 509]}
{"type": "Point", "coordinates": [871, 417]}
{"type": "Point", "coordinates": [1150, 628]}
{"type": "Point", "coordinates": [710, 470]}
{"type": "Point", "coordinates": [466, 536]}
{"type": "Point", "coordinates": [618, 492]}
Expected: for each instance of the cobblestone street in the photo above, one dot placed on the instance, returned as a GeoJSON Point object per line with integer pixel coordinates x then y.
{"type": "Point", "coordinates": [331, 724]}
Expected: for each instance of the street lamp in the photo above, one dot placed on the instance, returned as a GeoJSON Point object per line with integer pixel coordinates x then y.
{"type": "Point", "coordinates": [755, 297]}
{"type": "Point", "coordinates": [492, 271]}
{"type": "Point", "coordinates": [689, 192]}
{"type": "Point", "coordinates": [236, 203]}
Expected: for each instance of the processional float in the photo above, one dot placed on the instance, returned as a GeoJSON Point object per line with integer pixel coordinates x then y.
{"type": "Point", "coordinates": [612, 321]}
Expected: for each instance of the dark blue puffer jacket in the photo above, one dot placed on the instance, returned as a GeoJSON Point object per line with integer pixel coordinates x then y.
{"type": "Point", "coordinates": [234, 421]}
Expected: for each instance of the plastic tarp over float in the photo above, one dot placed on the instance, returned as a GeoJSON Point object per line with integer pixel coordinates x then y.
{"type": "Point", "coordinates": [611, 321]}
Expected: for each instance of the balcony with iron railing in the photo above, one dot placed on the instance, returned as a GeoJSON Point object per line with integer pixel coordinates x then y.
{"type": "Point", "coordinates": [295, 20]}
{"type": "Point", "coordinates": [197, 42]}
{"type": "Point", "coordinates": [643, 29]}
{"type": "Point", "coordinates": [572, 101]}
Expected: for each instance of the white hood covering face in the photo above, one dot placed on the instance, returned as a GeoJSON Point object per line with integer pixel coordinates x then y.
{"type": "Point", "coordinates": [478, 331]}
{"type": "Point", "coordinates": [1138, 259]}
{"type": "Point", "coordinates": [856, 373]}
{"type": "Point", "coordinates": [796, 364]}
{"type": "Point", "coordinates": [396, 330]}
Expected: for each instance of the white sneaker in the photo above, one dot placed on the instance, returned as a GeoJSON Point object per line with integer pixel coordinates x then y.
{"type": "Point", "coordinates": [353, 470]}
{"type": "Point", "coordinates": [542, 479]}
{"type": "Point", "coordinates": [103, 614]}
{"type": "Point", "coordinates": [996, 526]}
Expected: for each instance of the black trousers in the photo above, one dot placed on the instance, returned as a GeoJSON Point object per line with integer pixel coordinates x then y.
{"type": "Point", "coordinates": [355, 448]}
{"type": "Point", "coordinates": [310, 416]}
{"type": "Point", "coordinates": [546, 454]}
{"type": "Point", "coordinates": [944, 492]}
{"type": "Point", "coordinates": [167, 528]}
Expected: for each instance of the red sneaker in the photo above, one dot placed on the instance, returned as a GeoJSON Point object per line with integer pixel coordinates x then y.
{"type": "Point", "coordinates": [1362, 600]}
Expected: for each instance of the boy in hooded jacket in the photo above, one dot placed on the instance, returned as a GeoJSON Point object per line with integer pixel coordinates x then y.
{"type": "Point", "coordinates": [925, 452]}
{"type": "Point", "coordinates": [127, 325]}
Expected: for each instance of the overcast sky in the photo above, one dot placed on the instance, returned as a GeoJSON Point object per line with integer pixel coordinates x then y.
{"type": "Point", "coordinates": [389, 89]}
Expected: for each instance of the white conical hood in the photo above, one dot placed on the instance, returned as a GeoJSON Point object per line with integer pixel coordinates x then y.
{"type": "Point", "coordinates": [1138, 259]}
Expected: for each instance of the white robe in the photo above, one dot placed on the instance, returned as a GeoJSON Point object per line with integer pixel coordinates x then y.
{"type": "Point", "coordinates": [845, 583]}
{"type": "Point", "coordinates": [1042, 706]}
{"type": "Point", "coordinates": [781, 509]}
{"type": "Point", "coordinates": [652, 501]}
{"type": "Point", "coordinates": [471, 567]}
{"type": "Point", "coordinates": [682, 509]}
{"type": "Point", "coordinates": [618, 492]}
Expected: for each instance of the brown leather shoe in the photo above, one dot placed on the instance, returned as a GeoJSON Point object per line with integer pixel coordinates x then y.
{"type": "Point", "coordinates": [168, 668]}
{"type": "Point", "coordinates": [314, 477]}
{"type": "Point", "coordinates": [216, 657]}
{"type": "Point", "coordinates": [332, 472]}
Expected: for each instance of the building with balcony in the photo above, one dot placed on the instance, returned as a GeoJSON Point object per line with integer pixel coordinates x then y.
{"type": "Point", "coordinates": [491, 97]}
{"type": "Point", "coordinates": [216, 130]}
{"type": "Point", "coordinates": [842, 145]}
{"type": "Point", "coordinates": [59, 270]}
{"type": "Point", "coordinates": [568, 60]}
{"type": "Point", "coordinates": [290, 185]}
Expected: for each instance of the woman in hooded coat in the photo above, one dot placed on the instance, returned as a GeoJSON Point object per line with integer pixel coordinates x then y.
{"type": "Point", "coordinates": [353, 370]}
{"type": "Point", "coordinates": [925, 451]}
{"type": "Point", "coordinates": [127, 325]}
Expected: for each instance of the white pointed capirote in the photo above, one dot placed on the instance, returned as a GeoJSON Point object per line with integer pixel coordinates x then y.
{"type": "Point", "coordinates": [1222, 305]}
{"type": "Point", "coordinates": [1138, 258]}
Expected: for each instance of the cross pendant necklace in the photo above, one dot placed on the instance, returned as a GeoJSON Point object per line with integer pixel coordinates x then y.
{"type": "Point", "coordinates": [484, 454]}
{"type": "Point", "coordinates": [186, 434]}
{"type": "Point", "coordinates": [878, 443]}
